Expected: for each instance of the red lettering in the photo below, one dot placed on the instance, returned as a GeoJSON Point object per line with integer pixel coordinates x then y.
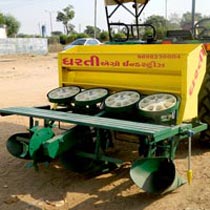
{"type": "Point", "coordinates": [78, 62]}
{"type": "Point", "coordinates": [94, 61]}
{"type": "Point", "coordinates": [125, 63]}
{"type": "Point", "coordinates": [197, 72]}
{"type": "Point", "coordinates": [67, 61]}
{"type": "Point", "coordinates": [190, 91]}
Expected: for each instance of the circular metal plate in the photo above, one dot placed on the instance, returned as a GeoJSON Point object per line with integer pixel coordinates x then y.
{"type": "Point", "coordinates": [91, 96]}
{"type": "Point", "coordinates": [122, 100]}
{"type": "Point", "coordinates": [63, 94]}
{"type": "Point", "coordinates": [158, 103]}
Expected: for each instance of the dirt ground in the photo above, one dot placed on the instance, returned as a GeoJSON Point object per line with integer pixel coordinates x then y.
{"type": "Point", "coordinates": [24, 81]}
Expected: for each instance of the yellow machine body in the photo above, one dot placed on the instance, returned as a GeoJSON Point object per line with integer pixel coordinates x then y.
{"type": "Point", "coordinates": [153, 68]}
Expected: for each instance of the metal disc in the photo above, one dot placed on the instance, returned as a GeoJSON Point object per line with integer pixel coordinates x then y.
{"type": "Point", "coordinates": [63, 94]}
{"type": "Point", "coordinates": [157, 103]}
{"type": "Point", "coordinates": [122, 100]}
{"type": "Point", "coordinates": [91, 96]}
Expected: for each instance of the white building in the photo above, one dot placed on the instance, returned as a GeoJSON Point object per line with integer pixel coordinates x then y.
{"type": "Point", "coordinates": [3, 33]}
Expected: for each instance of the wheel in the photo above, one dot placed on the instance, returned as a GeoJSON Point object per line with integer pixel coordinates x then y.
{"type": "Point", "coordinates": [91, 96]}
{"type": "Point", "coordinates": [158, 107]}
{"type": "Point", "coordinates": [204, 105]}
{"type": "Point", "coordinates": [63, 95]}
{"type": "Point", "coordinates": [201, 29]}
{"type": "Point", "coordinates": [122, 101]}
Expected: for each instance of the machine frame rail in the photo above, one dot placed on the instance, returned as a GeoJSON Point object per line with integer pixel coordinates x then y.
{"type": "Point", "coordinates": [156, 132]}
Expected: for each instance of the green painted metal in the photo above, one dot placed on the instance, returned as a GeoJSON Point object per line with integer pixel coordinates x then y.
{"type": "Point", "coordinates": [42, 144]}
{"type": "Point", "coordinates": [17, 145]}
{"type": "Point", "coordinates": [59, 144]}
{"type": "Point", "coordinates": [157, 132]}
{"type": "Point", "coordinates": [39, 137]}
{"type": "Point", "coordinates": [155, 175]}
{"type": "Point", "coordinates": [102, 157]}
{"type": "Point", "coordinates": [62, 143]}
{"type": "Point", "coordinates": [163, 117]}
{"type": "Point", "coordinates": [52, 146]}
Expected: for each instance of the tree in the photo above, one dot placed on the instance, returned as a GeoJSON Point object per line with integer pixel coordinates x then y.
{"type": "Point", "coordinates": [104, 36]}
{"type": "Point", "coordinates": [90, 31]}
{"type": "Point", "coordinates": [56, 33]}
{"type": "Point", "coordinates": [160, 24]}
{"type": "Point", "coordinates": [65, 16]}
{"type": "Point", "coordinates": [174, 22]}
{"type": "Point", "coordinates": [12, 24]}
{"type": "Point", "coordinates": [81, 35]}
{"type": "Point", "coordinates": [2, 21]}
{"type": "Point", "coordinates": [119, 36]}
{"type": "Point", "coordinates": [186, 20]}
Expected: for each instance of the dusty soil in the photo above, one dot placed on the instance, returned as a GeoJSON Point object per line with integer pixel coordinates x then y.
{"type": "Point", "coordinates": [24, 81]}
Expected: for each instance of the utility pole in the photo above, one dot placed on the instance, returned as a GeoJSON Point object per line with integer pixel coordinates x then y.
{"type": "Point", "coordinates": [193, 17]}
{"type": "Point", "coordinates": [95, 17]}
{"type": "Point", "coordinates": [166, 9]}
{"type": "Point", "coordinates": [51, 25]}
{"type": "Point", "coordinates": [166, 13]}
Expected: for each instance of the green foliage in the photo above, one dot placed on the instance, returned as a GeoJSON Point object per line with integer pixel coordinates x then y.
{"type": "Point", "coordinates": [12, 25]}
{"type": "Point", "coordinates": [71, 38]}
{"type": "Point", "coordinates": [119, 36]}
{"type": "Point", "coordinates": [81, 35]}
{"type": "Point", "coordinates": [21, 35]}
{"type": "Point", "coordinates": [53, 40]}
{"type": "Point", "coordinates": [186, 20]}
{"type": "Point", "coordinates": [56, 33]}
{"type": "Point", "coordinates": [160, 24]}
{"type": "Point", "coordinates": [104, 36]}
{"type": "Point", "coordinates": [63, 39]}
{"type": "Point", "coordinates": [2, 21]}
{"type": "Point", "coordinates": [90, 31]}
{"type": "Point", "coordinates": [65, 16]}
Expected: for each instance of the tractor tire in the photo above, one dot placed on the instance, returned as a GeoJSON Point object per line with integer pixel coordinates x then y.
{"type": "Point", "coordinates": [204, 105]}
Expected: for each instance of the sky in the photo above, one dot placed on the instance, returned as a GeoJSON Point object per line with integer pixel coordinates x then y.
{"type": "Point", "coordinates": [32, 14]}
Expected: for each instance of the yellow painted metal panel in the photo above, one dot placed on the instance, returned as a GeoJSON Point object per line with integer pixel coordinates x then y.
{"type": "Point", "coordinates": [177, 69]}
{"type": "Point", "coordinates": [192, 81]}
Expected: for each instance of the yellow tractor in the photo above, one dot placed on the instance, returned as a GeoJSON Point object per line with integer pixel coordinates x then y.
{"type": "Point", "coordinates": [135, 89]}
